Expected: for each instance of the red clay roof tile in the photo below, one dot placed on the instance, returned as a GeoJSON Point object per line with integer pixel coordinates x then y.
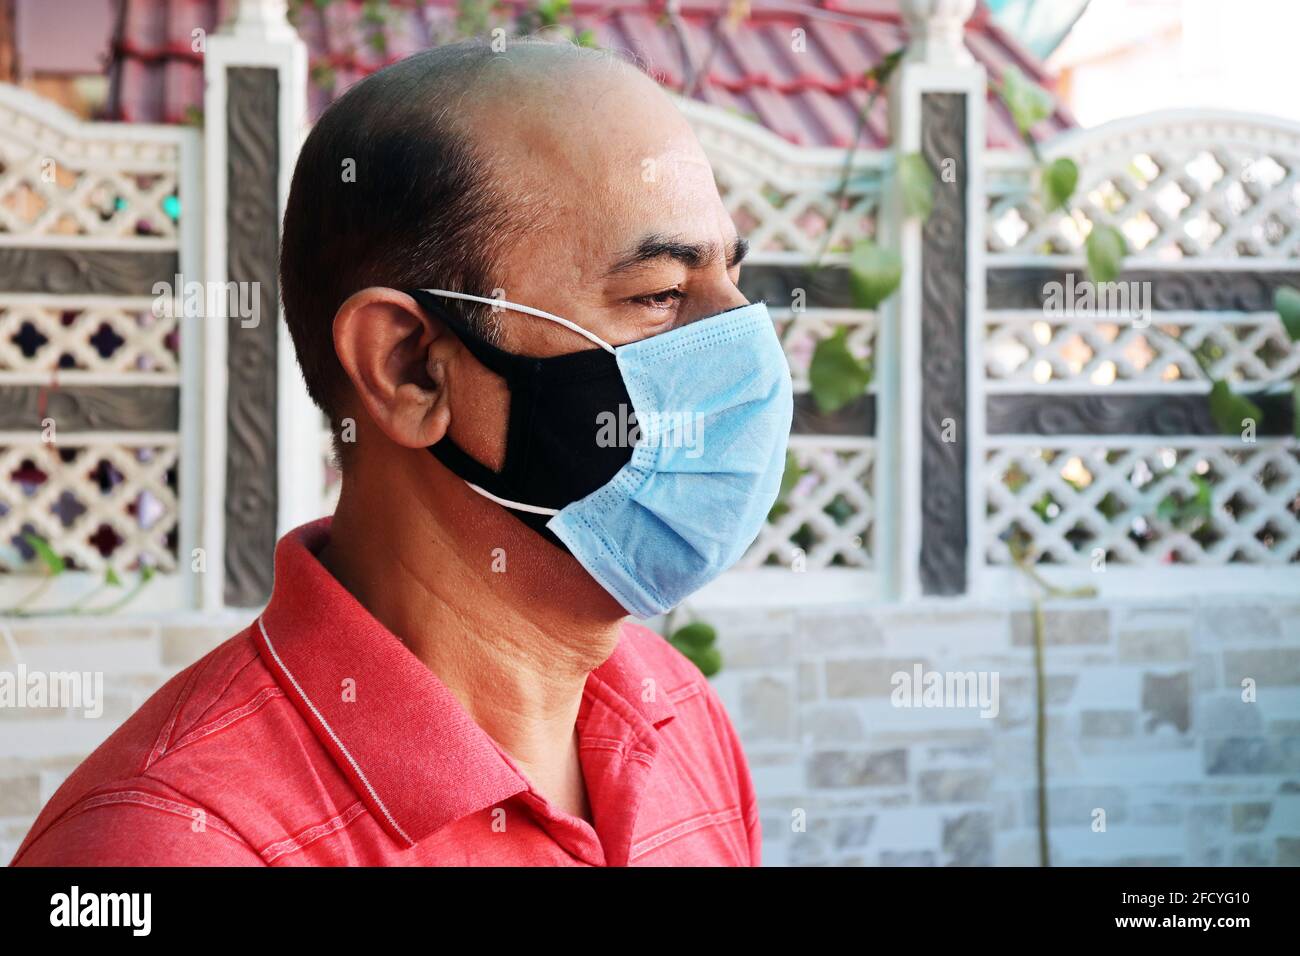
{"type": "Point", "coordinates": [810, 98]}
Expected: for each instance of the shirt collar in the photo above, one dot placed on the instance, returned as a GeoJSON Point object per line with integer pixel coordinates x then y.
{"type": "Point", "coordinates": [395, 730]}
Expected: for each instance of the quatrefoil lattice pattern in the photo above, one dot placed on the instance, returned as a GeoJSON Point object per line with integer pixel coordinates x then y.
{"type": "Point", "coordinates": [791, 222]}
{"type": "Point", "coordinates": [99, 505]}
{"type": "Point", "coordinates": [89, 214]}
{"type": "Point", "coordinates": [86, 336]}
{"type": "Point", "coordinates": [1209, 205]}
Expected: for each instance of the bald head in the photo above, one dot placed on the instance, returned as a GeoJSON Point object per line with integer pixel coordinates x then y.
{"type": "Point", "coordinates": [394, 187]}
{"type": "Point", "coordinates": [558, 174]}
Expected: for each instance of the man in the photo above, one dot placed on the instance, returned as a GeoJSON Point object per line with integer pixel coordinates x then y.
{"type": "Point", "coordinates": [492, 263]}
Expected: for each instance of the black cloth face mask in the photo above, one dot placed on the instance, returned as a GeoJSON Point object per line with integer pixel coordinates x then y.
{"type": "Point", "coordinates": [553, 453]}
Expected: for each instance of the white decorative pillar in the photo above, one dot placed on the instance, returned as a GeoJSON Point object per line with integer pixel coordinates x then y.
{"type": "Point", "coordinates": [936, 31]}
{"type": "Point", "coordinates": [930, 330]}
{"type": "Point", "coordinates": [263, 462]}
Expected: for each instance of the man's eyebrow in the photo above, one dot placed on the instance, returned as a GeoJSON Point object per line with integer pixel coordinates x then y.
{"type": "Point", "coordinates": [693, 255]}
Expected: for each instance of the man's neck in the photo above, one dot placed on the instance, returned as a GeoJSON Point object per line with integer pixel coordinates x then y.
{"type": "Point", "coordinates": [517, 667]}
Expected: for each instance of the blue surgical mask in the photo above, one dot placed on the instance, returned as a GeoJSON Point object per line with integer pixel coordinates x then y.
{"type": "Point", "coordinates": [654, 463]}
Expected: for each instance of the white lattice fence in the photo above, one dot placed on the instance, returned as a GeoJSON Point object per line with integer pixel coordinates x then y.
{"type": "Point", "coordinates": [60, 338]}
{"type": "Point", "coordinates": [1024, 348]}
{"type": "Point", "coordinates": [91, 368]}
{"type": "Point", "coordinates": [1074, 498]}
{"type": "Point", "coordinates": [1100, 446]}
{"type": "Point", "coordinates": [829, 516]}
{"type": "Point", "coordinates": [60, 179]}
{"type": "Point", "coordinates": [783, 200]}
{"type": "Point", "coordinates": [100, 504]}
{"type": "Point", "coordinates": [1183, 185]}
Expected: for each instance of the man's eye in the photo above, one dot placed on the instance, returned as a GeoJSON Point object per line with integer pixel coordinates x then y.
{"type": "Point", "coordinates": [660, 300]}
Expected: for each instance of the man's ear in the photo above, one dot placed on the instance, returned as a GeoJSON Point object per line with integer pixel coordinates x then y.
{"type": "Point", "coordinates": [398, 359]}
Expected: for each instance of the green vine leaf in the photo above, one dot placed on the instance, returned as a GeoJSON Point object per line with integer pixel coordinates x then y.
{"type": "Point", "coordinates": [1228, 409]}
{"type": "Point", "coordinates": [835, 375]}
{"type": "Point", "coordinates": [874, 273]}
{"type": "Point", "coordinates": [1028, 103]}
{"type": "Point", "coordinates": [474, 16]}
{"type": "Point", "coordinates": [111, 578]}
{"type": "Point", "coordinates": [1060, 178]}
{"type": "Point", "coordinates": [54, 564]}
{"type": "Point", "coordinates": [1287, 302]}
{"type": "Point", "coordinates": [789, 478]}
{"type": "Point", "coordinates": [1295, 410]}
{"type": "Point", "coordinates": [709, 661]}
{"type": "Point", "coordinates": [697, 635]}
{"type": "Point", "coordinates": [1188, 513]}
{"type": "Point", "coordinates": [879, 74]}
{"type": "Point", "coordinates": [322, 74]}
{"type": "Point", "coordinates": [1105, 250]}
{"type": "Point", "coordinates": [916, 182]}
{"type": "Point", "coordinates": [696, 642]}
{"type": "Point", "coordinates": [551, 11]}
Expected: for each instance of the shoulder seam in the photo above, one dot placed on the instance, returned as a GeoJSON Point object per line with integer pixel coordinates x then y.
{"type": "Point", "coordinates": [306, 837]}
{"type": "Point", "coordinates": [225, 719]}
{"type": "Point", "coordinates": [167, 736]}
{"type": "Point", "coordinates": [164, 733]}
{"type": "Point", "coordinates": [253, 655]}
{"type": "Point", "coordinates": [145, 798]}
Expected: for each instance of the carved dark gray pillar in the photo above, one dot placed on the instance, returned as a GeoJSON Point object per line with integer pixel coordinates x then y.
{"type": "Point", "coordinates": [943, 489]}
{"type": "Point", "coordinates": [252, 230]}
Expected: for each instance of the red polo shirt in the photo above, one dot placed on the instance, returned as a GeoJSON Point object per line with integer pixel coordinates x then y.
{"type": "Point", "coordinates": [315, 737]}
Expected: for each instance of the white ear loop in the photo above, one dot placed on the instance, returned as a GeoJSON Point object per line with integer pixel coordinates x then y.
{"type": "Point", "coordinates": [528, 310]}
{"type": "Point", "coordinates": [504, 502]}
{"type": "Point", "coordinates": [516, 505]}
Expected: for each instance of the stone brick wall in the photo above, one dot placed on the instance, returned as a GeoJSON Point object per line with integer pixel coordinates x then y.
{"type": "Point", "coordinates": [1146, 722]}
{"type": "Point", "coordinates": [40, 747]}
